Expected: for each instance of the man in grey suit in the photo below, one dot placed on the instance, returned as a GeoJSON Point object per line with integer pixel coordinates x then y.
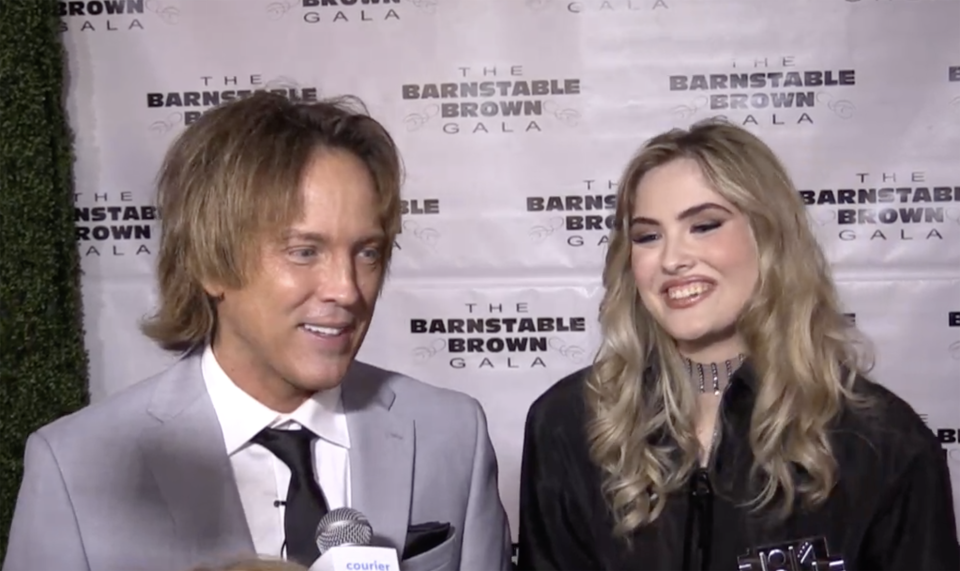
{"type": "Point", "coordinates": [278, 220]}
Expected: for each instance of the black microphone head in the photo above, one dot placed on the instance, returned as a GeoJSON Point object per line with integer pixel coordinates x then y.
{"type": "Point", "coordinates": [343, 526]}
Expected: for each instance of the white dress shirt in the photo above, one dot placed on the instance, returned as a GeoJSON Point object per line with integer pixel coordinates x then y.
{"type": "Point", "coordinates": [261, 477]}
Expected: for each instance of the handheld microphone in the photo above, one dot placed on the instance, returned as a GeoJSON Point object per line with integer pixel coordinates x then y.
{"type": "Point", "coordinates": [343, 538]}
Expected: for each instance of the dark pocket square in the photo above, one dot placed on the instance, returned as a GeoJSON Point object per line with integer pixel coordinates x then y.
{"type": "Point", "coordinates": [423, 537]}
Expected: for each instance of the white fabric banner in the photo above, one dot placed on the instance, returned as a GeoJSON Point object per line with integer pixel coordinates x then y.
{"type": "Point", "coordinates": [515, 118]}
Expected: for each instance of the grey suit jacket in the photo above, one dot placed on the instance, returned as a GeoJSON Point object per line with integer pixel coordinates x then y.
{"type": "Point", "coordinates": [142, 481]}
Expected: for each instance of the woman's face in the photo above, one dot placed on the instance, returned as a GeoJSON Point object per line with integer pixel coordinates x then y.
{"type": "Point", "coordinates": [694, 260]}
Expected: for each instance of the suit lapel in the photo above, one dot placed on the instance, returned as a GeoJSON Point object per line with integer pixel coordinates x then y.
{"type": "Point", "coordinates": [381, 456]}
{"type": "Point", "coordinates": [186, 455]}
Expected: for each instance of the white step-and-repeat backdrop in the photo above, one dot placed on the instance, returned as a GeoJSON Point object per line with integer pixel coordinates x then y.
{"type": "Point", "coordinates": [510, 183]}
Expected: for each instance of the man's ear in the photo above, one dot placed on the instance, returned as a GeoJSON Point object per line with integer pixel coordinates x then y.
{"type": "Point", "coordinates": [213, 289]}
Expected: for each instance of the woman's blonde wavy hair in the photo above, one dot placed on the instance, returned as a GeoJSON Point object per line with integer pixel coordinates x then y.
{"type": "Point", "coordinates": [805, 352]}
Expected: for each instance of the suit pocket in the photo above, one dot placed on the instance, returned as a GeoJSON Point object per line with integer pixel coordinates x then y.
{"type": "Point", "coordinates": [440, 558]}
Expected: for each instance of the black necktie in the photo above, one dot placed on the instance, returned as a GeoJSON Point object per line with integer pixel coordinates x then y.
{"type": "Point", "coordinates": [305, 502]}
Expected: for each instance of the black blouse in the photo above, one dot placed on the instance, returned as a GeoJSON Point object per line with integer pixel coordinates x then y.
{"type": "Point", "coordinates": [891, 509]}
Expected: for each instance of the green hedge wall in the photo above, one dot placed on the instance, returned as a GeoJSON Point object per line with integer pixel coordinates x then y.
{"type": "Point", "coordinates": [43, 363]}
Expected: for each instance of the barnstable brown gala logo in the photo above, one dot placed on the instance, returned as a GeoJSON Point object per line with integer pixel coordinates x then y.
{"type": "Point", "coordinates": [598, 6]}
{"type": "Point", "coordinates": [581, 220]}
{"type": "Point", "coordinates": [116, 224]}
{"type": "Point", "coordinates": [115, 15]}
{"type": "Point", "coordinates": [489, 99]}
{"type": "Point", "coordinates": [347, 11]}
{"type": "Point", "coordinates": [496, 336]}
{"type": "Point", "coordinates": [766, 91]}
{"type": "Point", "coordinates": [183, 107]}
{"type": "Point", "coordinates": [887, 207]}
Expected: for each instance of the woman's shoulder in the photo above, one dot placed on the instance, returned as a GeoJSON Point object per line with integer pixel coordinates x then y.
{"type": "Point", "coordinates": [887, 411]}
{"type": "Point", "coordinates": [564, 396]}
{"type": "Point", "coordinates": [888, 426]}
{"type": "Point", "coordinates": [562, 406]}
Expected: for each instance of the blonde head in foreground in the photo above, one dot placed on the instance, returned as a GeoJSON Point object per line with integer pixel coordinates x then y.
{"type": "Point", "coordinates": [712, 208]}
{"type": "Point", "coordinates": [256, 564]}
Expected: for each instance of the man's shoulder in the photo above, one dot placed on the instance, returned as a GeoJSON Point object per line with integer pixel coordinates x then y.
{"type": "Point", "coordinates": [118, 412]}
{"type": "Point", "coordinates": [413, 393]}
{"type": "Point", "coordinates": [426, 403]}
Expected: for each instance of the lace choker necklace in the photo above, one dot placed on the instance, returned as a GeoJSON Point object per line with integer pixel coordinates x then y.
{"type": "Point", "coordinates": [702, 371]}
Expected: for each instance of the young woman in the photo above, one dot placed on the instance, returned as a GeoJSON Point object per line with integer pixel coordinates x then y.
{"type": "Point", "coordinates": [727, 421]}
